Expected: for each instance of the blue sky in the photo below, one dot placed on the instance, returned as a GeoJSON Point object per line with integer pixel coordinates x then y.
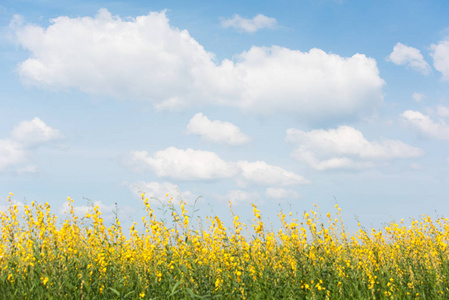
{"type": "Point", "coordinates": [283, 104]}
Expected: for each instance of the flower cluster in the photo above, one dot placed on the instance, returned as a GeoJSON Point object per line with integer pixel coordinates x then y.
{"type": "Point", "coordinates": [310, 258]}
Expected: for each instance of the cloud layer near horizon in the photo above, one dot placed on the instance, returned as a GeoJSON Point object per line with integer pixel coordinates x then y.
{"type": "Point", "coordinates": [146, 59]}
{"type": "Point", "coordinates": [160, 192]}
{"type": "Point", "coordinates": [201, 165]}
{"type": "Point", "coordinates": [345, 148]}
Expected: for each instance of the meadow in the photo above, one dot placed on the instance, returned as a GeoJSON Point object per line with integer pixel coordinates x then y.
{"type": "Point", "coordinates": [311, 257]}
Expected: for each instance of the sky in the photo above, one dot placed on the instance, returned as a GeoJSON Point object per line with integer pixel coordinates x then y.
{"type": "Point", "coordinates": [280, 104]}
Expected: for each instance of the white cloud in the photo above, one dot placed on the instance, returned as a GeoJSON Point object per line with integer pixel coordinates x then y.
{"type": "Point", "coordinates": [440, 55]}
{"type": "Point", "coordinates": [443, 111]}
{"type": "Point", "coordinates": [108, 211]}
{"type": "Point", "coordinates": [418, 97]}
{"type": "Point", "coordinates": [186, 164]}
{"type": "Point", "coordinates": [320, 163]}
{"type": "Point", "coordinates": [346, 148]}
{"type": "Point", "coordinates": [136, 161]}
{"type": "Point", "coordinates": [157, 192]}
{"type": "Point", "coordinates": [425, 125]}
{"type": "Point", "coordinates": [410, 57]}
{"type": "Point", "coordinates": [280, 193]}
{"type": "Point", "coordinates": [240, 196]}
{"type": "Point", "coordinates": [11, 154]}
{"type": "Point", "coordinates": [310, 85]}
{"type": "Point", "coordinates": [18, 149]}
{"type": "Point", "coordinates": [145, 58]}
{"type": "Point", "coordinates": [250, 25]}
{"type": "Point", "coordinates": [262, 173]}
{"type": "Point", "coordinates": [216, 131]}
{"type": "Point", "coordinates": [34, 132]}
{"type": "Point", "coordinates": [192, 164]}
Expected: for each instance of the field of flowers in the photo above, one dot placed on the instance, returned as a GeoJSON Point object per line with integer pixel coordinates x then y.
{"type": "Point", "coordinates": [42, 257]}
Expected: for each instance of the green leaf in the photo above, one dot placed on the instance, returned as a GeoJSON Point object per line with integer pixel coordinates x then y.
{"type": "Point", "coordinates": [130, 293]}
{"type": "Point", "coordinates": [115, 291]}
{"type": "Point", "coordinates": [173, 290]}
{"type": "Point", "coordinates": [191, 293]}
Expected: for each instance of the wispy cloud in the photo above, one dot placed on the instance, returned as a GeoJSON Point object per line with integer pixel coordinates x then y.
{"type": "Point", "coordinates": [250, 25]}
{"type": "Point", "coordinates": [239, 196]}
{"type": "Point", "coordinates": [281, 193]}
{"type": "Point", "coordinates": [418, 97]}
{"type": "Point", "coordinates": [160, 192]}
{"type": "Point", "coordinates": [443, 111]}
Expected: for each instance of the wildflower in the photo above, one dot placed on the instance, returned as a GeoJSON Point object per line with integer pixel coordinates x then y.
{"type": "Point", "coordinates": [45, 280]}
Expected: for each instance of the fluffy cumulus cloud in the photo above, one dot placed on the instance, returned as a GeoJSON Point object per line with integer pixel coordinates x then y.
{"type": "Point", "coordinates": [216, 131]}
{"type": "Point", "coordinates": [35, 132]}
{"type": "Point", "coordinates": [250, 25]}
{"type": "Point", "coordinates": [192, 164]}
{"type": "Point", "coordinates": [280, 193]}
{"type": "Point", "coordinates": [425, 126]}
{"type": "Point", "coordinates": [440, 55]}
{"type": "Point", "coordinates": [18, 148]}
{"type": "Point", "coordinates": [310, 85]}
{"type": "Point", "coordinates": [157, 192]}
{"type": "Point", "coordinates": [345, 148]}
{"type": "Point", "coordinates": [145, 58]}
{"type": "Point", "coordinates": [410, 57]}
{"type": "Point", "coordinates": [182, 164]}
